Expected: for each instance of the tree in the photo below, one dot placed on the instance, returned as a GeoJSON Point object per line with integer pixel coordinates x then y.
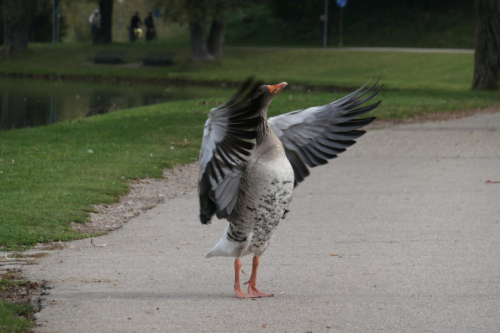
{"type": "Point", "coordinates": [198, 13]}
{"type": "Point", "coordinates": [487, 56]}
{"type": "Point", "coordinates": [17, 16]}
{"type": "Point", "coordinates": [104, 33]}
{"type": "Point", "coordinates": [217, 35]}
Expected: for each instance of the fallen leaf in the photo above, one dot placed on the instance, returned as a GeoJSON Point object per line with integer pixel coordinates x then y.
{"type": "Point", "coordinates": [265, 326]}
{"type": "Point", "coordinates": [334, 254]}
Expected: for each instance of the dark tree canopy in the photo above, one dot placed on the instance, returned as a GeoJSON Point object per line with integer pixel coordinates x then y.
{"type": "Point", "coordinates": [41, 24]}
{"type": "Point", "coordinates": [31, 17]}
{"type": "Point", "coordinates": [305, 14]}
{"type": "Point", "coordinates": [487, 55]}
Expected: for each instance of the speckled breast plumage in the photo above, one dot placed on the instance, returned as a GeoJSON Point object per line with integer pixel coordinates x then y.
{"type": "Point", "coordinates": [266, 196]}
{"type": "Point", "coordinates": [269, 213]}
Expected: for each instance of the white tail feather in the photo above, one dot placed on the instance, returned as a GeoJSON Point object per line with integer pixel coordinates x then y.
{"type": "Point", "coordinates": [225, 248]}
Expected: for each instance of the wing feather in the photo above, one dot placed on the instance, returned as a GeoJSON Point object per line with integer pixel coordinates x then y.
{"type": "Point", "coordinates": [228, 140]}
{"type": "Point", "coordinates": [351, 135]}
{"type": "Point", "coordinates": [315, 135]}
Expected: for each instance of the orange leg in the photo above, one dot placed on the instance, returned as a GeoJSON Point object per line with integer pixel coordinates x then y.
{"type": "Point", "coordinates": [237, 285]}
{"type": "Point", "coordinates": [252, 283]}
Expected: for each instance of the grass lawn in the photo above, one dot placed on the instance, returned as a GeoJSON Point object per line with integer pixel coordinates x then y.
{"type": "Point", "coordinates": [399, 71]}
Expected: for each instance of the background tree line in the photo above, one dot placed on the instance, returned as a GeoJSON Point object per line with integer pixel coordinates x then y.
{"type": "Point", "coordinates": [207, 22]}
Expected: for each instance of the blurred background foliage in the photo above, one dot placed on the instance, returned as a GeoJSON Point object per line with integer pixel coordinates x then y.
{"type": "Point", "coordinates": [41, 25]}
{"type": "Point", "coordinates": [424, 23]}
{"type": "Point", "coordinates": [415, 23]}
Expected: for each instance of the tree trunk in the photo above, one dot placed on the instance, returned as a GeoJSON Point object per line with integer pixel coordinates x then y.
{"type": "Point", "coordinates": [216, 37]}
{"type": "Point", "coordinates": [17, 20]}
{"type": "Point", "coordinates": [487, 56]}
{"type": "Point", "coordinates": [199, 50]}
{"type": "Point", "coordinates": [104, 33]}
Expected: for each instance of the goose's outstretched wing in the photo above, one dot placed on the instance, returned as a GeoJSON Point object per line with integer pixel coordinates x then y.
{"type": "Point", "coordinates": [228, 141]}
{"type": "Point", "coordinates": [314, 135]}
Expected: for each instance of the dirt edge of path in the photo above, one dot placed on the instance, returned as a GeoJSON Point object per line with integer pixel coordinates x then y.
{"type": "Point", "coordinates": [143, 194]}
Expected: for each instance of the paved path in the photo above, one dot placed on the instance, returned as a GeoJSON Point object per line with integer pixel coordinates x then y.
{"type": "Point", "coordinates": [359, 49]}
{"type": "Point", "coordinates": [408, 210]}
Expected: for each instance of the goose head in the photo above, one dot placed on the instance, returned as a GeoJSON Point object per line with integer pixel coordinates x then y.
{"type": "Point", "coordinates": [267, 93]}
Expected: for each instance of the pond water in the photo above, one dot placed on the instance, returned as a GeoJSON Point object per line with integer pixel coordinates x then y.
{"type": "Point", "coordinates": [30, 103]}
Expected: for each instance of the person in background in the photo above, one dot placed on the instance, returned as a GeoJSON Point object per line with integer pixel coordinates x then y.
{"type": "Point", "coordinates": [95, 24]}
{"type": "Point", "coordinates": [135, 22]}
{"type": "Point", "coordinates": [150, 27]}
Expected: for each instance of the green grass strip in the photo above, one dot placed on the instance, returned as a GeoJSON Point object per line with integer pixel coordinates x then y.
{"type": "Point", "coordinates": [399, 71]}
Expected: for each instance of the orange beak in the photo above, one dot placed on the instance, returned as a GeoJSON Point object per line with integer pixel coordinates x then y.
{"type": "Point", "coordinates": [277, 88]}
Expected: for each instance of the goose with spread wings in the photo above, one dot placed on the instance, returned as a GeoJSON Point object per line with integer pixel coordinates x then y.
{"type": "Point", "coordinates": [249, 164]}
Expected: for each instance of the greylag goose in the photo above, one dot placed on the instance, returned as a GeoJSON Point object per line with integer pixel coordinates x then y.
{"type": "Point", "coordinates": [249, 164]}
